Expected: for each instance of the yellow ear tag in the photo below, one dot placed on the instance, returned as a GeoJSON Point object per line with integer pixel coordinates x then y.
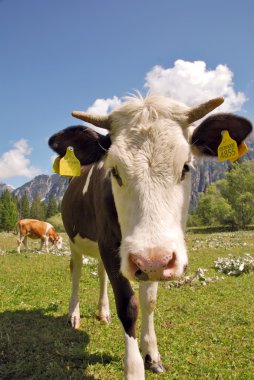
{"type": "Point", "coordinates": [69, 165]}
{"type": "Point", "coordinates": [55, 167]}
{"type": "Point", "coordinates": [227, 149]}
{"type": "Point", "coordinates": [242, 150]}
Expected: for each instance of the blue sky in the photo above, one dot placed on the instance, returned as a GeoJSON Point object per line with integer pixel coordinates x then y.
{"type": "Point", "coordinates": [61, 55]}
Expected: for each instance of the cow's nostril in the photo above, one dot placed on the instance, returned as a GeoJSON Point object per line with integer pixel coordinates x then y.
{"type": "Point", "coordinates": [142, 276]}
{"type": "Point", "coordinates": [170, 261]}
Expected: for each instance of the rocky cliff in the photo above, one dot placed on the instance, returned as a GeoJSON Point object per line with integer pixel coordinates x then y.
{"type": "Point", "coordinates": [45, 185]}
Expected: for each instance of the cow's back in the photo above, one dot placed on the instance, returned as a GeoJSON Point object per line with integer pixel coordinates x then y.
{"type": "Point", "coordinates": [33, 227]}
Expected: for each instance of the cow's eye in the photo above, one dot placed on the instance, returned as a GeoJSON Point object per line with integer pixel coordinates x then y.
{"type": "Point", "coordinates": [186, 169]}
{"type": "Point", "coordinates": [116, 175]}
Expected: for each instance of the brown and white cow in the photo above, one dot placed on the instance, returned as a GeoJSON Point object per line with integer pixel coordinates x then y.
{"type": "Point", "coordinates": [37, 229]}
{"type": "Point", "coordinates": [132, 198]}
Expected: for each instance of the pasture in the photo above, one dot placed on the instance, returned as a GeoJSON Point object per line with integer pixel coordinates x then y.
{"type": "Point", "coordinates": [203, 331]}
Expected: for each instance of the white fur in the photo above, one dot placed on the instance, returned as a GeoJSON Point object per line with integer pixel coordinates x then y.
{"type": "Point", "coordinates": [59, 243]}
{"type": "Point", "coordinates": [48, 226]}
{"type": "Point", "coordinates": [79, 246]}
{"type": "Point", "coordinates": [147, 299]}
{"type": "Point", "coordinates": [103, 304]}
{"type": "Point", "coordinates": [88, 180]}
{"type": "Point", "coordinates": [133, 362]}
{"type": "Point", "coordinates": [149, 149]}
{"type": "Point", "coordinates": [77, 251]}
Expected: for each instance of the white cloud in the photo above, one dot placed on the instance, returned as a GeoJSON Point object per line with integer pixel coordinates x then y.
{"type": "Point", "coordinates": [104, 106]}
{"type": "Point", "coordinates": [192, 83]}
{"type": "Point", "coordinates": [15, 162]}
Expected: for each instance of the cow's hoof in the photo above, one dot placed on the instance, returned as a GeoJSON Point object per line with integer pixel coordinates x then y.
{"type": "Point", "coordinates": [106, 319]}
{"type": "Point", "coordinates": [74, 322]}
{"type": "Point", "coordinates": [155, 367]}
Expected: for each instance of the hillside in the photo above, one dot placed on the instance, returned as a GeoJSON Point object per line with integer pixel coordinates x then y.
{"type": "Point", "coordinates": [45, 185]}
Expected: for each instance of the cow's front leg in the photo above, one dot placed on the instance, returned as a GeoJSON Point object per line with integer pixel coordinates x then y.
{"type": "Point", "coordinates": [42, 243]}
{"type": "Point", "coordinates": [20, 241]}
{"type": "Point", "coordinates": [25, 243]}
{"type": "Point", "coordinates": [127, 311]}
{"type": "Point", "coordinates": [75, 268]}
{"type": "Point", "coordinates": [47, 243]}
{"type": "Point", "coordinates": [103, 305]}
{"type": "Point", "coordinates": [148, 344]}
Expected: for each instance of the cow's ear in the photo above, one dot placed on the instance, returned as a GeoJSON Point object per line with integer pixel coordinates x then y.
{"type": "Point", "coordinates": [89, 146]}
{"type": "Point", "coordinates": [207, 137]}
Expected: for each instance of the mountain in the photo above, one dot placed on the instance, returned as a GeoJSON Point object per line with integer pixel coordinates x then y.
{"type": "Point", "coordinates": [203, 174]}
{"type": "Point", "coordinates": [45, 185]}
{"type": "Point", "coordinates": [4, 187]}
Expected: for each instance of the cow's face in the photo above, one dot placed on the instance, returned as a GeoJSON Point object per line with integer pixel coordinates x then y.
{"type": "Point", "coordinates": [149, 160]}
{"type": "Point", "coordinates": [59, 242]}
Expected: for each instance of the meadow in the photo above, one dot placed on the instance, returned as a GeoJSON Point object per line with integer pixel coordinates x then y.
{"type": "Point", "coordinates": [205, 327]}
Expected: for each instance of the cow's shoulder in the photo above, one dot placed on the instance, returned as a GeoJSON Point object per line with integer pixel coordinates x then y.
{"type": "Point", "coordinates": [88, 205]}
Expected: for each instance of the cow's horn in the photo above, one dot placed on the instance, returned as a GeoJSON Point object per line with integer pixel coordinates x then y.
{"type": "Point", "coordinates": [97, 120]}
{"type": "Point", "coordinates": [203, 109]}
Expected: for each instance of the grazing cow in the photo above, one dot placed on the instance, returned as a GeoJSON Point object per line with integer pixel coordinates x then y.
{"type": "Point", "coordinates": [132, 198]}
{"type": "Point", "coordinates": [37, 229]}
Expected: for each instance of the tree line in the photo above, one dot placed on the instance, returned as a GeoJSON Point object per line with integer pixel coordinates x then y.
{"type": "Point", "coordinates": [12, 209]}
{"type": "Point", "coordinates": [229, 201]}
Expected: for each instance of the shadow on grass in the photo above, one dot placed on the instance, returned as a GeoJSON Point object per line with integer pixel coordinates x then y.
{"type": "Point", "coordinates": [36, 346]}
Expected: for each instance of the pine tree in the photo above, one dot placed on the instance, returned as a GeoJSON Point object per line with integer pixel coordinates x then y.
{"type": "Point", "coordinates": [52, 208]}
{"type": "Point", "coordinates": [8, 211]}
{"type": "Point", "coordinates": [37, 210]}
{"type": "Point", "coordinates": [24, 207]}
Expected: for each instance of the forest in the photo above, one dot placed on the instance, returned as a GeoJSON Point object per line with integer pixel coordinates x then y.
{"type": "Point", "coordinates": [12, 209]}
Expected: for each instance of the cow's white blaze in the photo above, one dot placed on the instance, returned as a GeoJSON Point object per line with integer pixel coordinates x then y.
{"type": "Point", "coordinates": [88, 181]}
{"type": "Point", "coordinates": [148, 153]}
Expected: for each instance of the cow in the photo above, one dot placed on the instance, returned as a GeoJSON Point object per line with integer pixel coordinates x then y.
{"type": "Point", "coordinates": [37, 229]}
{"type": "Point", "coordinates": [132, 198]}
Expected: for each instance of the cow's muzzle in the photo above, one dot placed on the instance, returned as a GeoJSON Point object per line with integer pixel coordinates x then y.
{"type": "Point", "coordinates": [159, 265]}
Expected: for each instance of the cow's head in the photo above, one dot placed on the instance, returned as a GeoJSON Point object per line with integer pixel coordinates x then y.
{"type": "Point", "coordinates": [59, 242]}
{"type": "Point", "coordinates": [148, 153]}
{"type": "Point", "coordinates": [56, 240]}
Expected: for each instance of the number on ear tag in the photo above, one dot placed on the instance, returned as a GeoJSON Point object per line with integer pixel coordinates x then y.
{"type": "Point", "coordinates": [227, 149]}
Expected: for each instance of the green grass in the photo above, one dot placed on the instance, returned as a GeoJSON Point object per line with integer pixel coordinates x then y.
{"type": "Point", "coordinates": [204, 332]}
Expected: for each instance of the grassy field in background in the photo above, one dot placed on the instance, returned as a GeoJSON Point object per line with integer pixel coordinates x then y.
{"type": "Point", "coordinates": [204, 332]}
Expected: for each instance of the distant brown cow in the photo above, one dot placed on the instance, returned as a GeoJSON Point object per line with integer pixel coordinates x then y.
{"type": "Point", "coordinates": [37, 229]}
